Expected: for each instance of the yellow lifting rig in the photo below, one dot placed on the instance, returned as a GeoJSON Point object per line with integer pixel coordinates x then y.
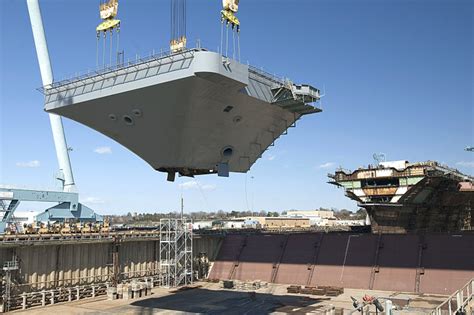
{"type": "Point", "coordinates": [108, 12]}
{"type": "Point", "coordinates": [178, 26]}
{"type": "Point", "coordinates": [230, 8]}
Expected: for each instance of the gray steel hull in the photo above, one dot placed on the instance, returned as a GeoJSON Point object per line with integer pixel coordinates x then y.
{"type": "Point", "coordinates": [183, 117]}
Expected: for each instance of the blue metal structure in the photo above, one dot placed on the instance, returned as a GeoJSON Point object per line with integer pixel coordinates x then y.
{"type": "Point", "coordinates": [68, 207]}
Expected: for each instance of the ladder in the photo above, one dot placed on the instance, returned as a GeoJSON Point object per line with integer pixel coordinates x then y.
{"type": "Point", "coordinates": [277, 264]}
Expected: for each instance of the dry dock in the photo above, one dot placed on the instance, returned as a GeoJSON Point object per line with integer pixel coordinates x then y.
{"type": "Point", "coordinates": [211, 298]}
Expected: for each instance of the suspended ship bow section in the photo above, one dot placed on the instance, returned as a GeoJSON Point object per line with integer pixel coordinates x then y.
{"type": "Point", "coordinates": [191, 112]}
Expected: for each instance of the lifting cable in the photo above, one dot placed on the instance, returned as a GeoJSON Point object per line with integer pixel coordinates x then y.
{"type": "Point", "coordinates": [111, 46]}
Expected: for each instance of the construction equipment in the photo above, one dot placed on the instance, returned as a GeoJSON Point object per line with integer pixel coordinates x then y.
{"type": "Point", "coordinates": [67, 198]}
{"type": "Point", "coordinates": [178, 25]}
{"type": "Point", "coordinates": [108, 12]}
{"type": "Point", "coordinates": [105, 228]}
{"type": "Point", "coordinates": [43, 229]}
{"type": "Point", "coordinates": [65, 229]}
{"type": "Point", "coordinates": [228, 18]}
{"type": "Point", "coordinates": [230, 8]}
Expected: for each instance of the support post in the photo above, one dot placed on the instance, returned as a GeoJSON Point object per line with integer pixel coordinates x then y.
{"type": "Point", "coordinates": [23, 303]}
{"type": "Point", "coordinates": [115, 262]}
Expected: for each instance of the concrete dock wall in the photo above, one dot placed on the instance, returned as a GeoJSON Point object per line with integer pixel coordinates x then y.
{"type": "Point", "coordinates": [44, 266]}
{"type": "Point", "coordinates": [58, 263]}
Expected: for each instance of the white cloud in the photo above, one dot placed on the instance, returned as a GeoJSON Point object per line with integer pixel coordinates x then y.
{"type": "Point", "coordinates": [271, 157]}
{"type": "Point", "coordinates": [93, 200]}
{"type": "Point", "coordinates": [327, 165]}
{"type": "Point", "coordinates": [195, 185]}
{"type": "Point", "coordinates": [103, 150]}
{"type": "Point", "coordinates": [34, 163]}
{"type": "Point", "coordinates": [466, 163]}
{"type": "Point", "coordinates": [189, 185]}
{"type": "Point", "coordinates": [208, 187]}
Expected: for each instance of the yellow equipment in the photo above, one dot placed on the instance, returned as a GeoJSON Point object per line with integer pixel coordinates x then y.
{"type": "Point", "coordinates": [178, 44]}
{"type": "Point", "coordinates": [29, 228]}
{"type": "Point", "coordinates": [230, 8]}
{"type": "Point", "coordinates": [65, 228]}
{"type": "Point", "coordinates": [178, 25]}
{"type": "Point", "coordinates": [108, 12]}
{"type": "Point", "coordinates": [105, 227]}
{"type": "Point", "coordinates": [86, 228]}
{"type": "Point", "coordinates": [43, 229]}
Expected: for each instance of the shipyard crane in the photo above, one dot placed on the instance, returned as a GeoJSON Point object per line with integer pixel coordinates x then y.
{"type": "Point", "coordinates": [68, 206]}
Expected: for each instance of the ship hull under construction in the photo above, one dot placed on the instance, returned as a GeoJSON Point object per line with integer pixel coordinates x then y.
{"type": "Point", "coordinates": [418, 197]}
{"type": "Point", "coordinates": [444, 209]}
{"type": "Point", "coordinates": [191, 112]}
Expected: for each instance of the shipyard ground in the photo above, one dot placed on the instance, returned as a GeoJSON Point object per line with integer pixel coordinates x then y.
{"type": "Point", "coordinates": [211, 298]}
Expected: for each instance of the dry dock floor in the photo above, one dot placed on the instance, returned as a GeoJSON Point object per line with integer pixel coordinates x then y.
{"type": "Point", "coordinates": [211, 298]}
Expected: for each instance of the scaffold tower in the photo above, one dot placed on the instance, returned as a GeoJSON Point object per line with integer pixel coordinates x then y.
{"type": "Point", "coordinates": [176, 252]}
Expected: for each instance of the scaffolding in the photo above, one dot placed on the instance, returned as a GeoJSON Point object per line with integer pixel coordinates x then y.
{"type": "Point", "coordinates": [176, 252]}
{"type": "Point", "coordinates": [8, 268]}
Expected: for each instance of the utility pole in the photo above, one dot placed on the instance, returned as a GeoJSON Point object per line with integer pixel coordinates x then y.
{"type": "Point", "coordinates": [182, 207]}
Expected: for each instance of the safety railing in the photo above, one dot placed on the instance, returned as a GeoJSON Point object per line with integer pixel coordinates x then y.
{"type": "Point", "coordinates": [119, 66]}
{"type": "Point", "coordinates": [270, 77]}
{"type": "Point", "coordinates": [457, 302]}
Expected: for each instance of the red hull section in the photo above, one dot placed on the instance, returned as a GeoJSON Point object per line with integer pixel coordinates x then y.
{"type": "Point", "coordinates": [432, 263]}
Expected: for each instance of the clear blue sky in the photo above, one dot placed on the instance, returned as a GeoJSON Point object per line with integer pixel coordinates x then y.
{"type": "Point", "coordinates": [398, 76]}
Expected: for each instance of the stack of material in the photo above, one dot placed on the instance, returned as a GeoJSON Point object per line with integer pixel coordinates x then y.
{"type": "Point", "coordinates": [111, 293]}
{"type": "Point", "coordinates": [307, 290]}
{"type": "Point", "coordinates": [124, 291]}
{"type": "Point", "coordinates": [294, 289]}
{"type": "Point", "coordinates": [319, 290]}
{"type": "Point", "coordinates": [132, 290]}
{"type": "Point", "coordinates": [250, 285]}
